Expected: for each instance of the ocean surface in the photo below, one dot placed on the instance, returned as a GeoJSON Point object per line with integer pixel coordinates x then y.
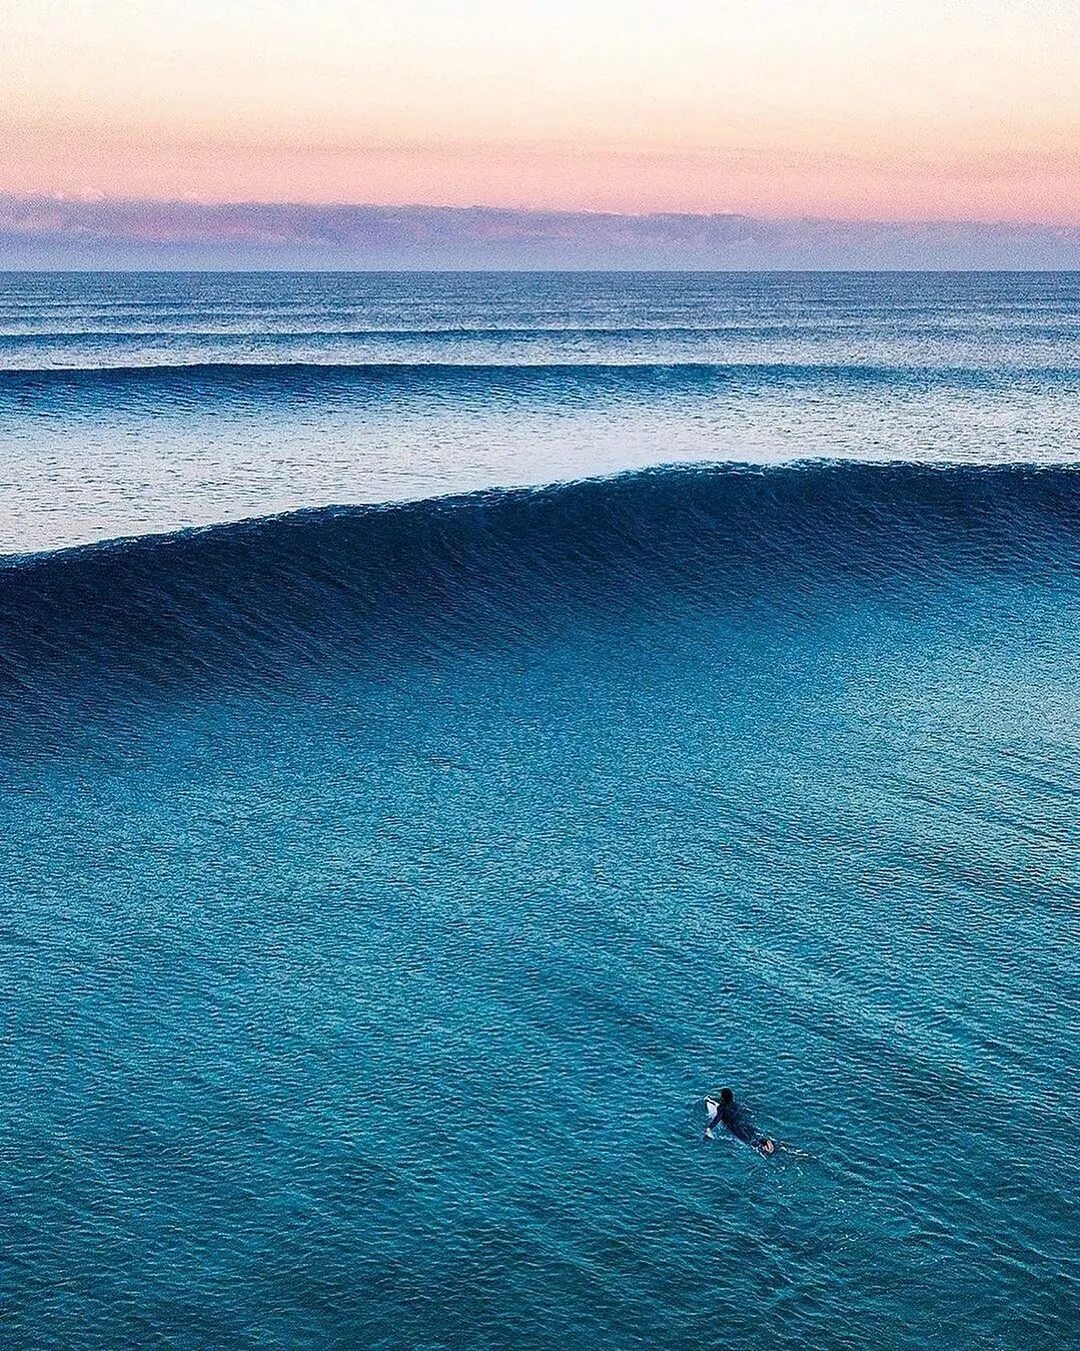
{"type": "Point", "coordinates": [450, 724]}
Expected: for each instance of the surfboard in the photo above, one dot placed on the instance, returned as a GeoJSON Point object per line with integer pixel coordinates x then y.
{"type": "Point", "coordinates": [711, 1106]}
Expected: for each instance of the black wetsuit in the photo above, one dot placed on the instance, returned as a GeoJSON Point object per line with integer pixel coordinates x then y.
{"type": "Point", "coordinates": [731, 1115]}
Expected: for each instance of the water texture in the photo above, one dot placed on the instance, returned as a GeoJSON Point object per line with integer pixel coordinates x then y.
{"type": "Point", "coordinates": [385, 883]}
{"type": "Point", "coordinates": [132, 404]}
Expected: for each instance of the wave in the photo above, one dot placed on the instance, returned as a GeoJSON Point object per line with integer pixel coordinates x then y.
{"type": "Point", "coordinates": [292, 327]}
{"type": "Point", "coordinates": [145, 328]}
{"type": "Point", "coordinates": [284, 377]}
{"type": "Point", "coordinates": [261, 601]}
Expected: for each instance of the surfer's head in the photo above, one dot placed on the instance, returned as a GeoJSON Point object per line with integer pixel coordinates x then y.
{"type": "Point", "coordinates": [726, 1096]}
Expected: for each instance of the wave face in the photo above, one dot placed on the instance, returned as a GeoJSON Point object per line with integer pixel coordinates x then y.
{"type": "Point", "coordinates": [268, 597]}
{"type": "Point", "coordinates": [141, 404]}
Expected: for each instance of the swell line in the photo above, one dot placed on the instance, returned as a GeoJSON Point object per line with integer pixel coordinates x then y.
{"type": "Point", "coordinates": [686, 373]}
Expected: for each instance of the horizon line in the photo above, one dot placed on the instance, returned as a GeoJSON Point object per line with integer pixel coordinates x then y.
{"type": "Point", "coordinates": [542, 271]}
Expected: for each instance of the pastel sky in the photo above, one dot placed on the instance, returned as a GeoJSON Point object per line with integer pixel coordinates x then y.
{"type": "Point", "coordinates": [860, 109]}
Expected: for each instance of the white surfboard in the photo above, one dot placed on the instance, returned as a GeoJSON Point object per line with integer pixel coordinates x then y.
{"type": "Point", "coordinates": [712, 1107]}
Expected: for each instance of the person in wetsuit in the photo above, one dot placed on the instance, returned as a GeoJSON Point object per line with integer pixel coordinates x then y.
{"type": "Point", "coordinates": [730, 1115]}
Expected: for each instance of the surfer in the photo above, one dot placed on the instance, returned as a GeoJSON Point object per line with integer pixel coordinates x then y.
{"type": "Point", "coordinates": [728, 1113]}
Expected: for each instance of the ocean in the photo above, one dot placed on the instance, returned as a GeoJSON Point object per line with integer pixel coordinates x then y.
{"type": "Point", "coordinates": [450, 724]}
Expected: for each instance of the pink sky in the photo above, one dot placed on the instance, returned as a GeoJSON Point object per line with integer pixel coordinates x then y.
{"type": "Point", "coordinates": [963, 109]}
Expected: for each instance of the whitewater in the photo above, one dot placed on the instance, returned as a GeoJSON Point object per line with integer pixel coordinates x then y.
{"type": "Point", "coordinates": [451, 724]}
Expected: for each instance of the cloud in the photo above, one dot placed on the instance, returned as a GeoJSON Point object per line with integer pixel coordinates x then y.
{"type": "Point", "coordinates": [84, 232]}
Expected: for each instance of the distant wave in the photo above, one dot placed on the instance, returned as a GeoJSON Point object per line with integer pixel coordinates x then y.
{"type": "Point", "coordinates": [271, 377]}
{"type": "Point", "coordinates": [144, 327]}
{"type": "Point", "coordinates": [261, 600]}
{"type": "Point", "coordinates": [82, 329]}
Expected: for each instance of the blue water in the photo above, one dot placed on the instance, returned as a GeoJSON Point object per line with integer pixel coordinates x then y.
{"type": "Point", "coordinates": [385, 883]}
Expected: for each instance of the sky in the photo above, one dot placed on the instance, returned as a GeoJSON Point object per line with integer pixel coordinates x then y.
{"type": "Point", "coordinates": [859, 110]}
